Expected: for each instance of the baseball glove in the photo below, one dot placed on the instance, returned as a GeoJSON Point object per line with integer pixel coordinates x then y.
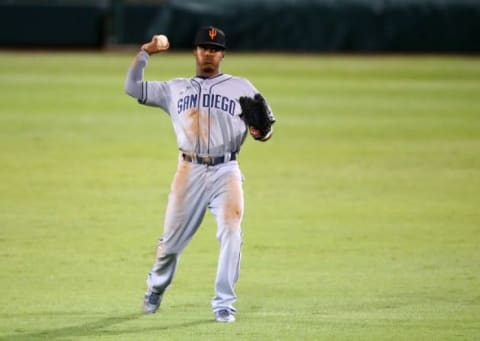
{"type": "Point", "coordinates": [256, 114]}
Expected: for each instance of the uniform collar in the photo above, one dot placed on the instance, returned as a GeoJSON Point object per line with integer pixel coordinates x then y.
{"type": "Point", "coordinates": [206, 78]}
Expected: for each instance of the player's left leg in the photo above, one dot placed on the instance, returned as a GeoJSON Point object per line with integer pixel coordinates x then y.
{"type": "Point", "coordinates": [227, 206]}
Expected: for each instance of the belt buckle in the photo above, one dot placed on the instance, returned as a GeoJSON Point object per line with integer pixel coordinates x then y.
{"type": "Point", "coordinates": [207, 160]}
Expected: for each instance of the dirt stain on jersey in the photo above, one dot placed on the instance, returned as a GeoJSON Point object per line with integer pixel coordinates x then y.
{"type": "Point", "coordinates": [192, 125]}
{"type": "Point", "coordinates": [197, 127]}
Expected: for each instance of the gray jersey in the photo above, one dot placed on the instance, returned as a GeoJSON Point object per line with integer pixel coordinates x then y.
{"type": "Point", "coordinates": [205, 113]}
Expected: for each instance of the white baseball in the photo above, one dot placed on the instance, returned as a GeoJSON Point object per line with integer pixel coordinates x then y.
{"type": "Point", "coordinates": [162, 41]}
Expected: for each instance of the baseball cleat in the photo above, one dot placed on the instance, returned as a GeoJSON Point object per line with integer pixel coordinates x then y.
{"type": "Point", "coordinates": [151, 302]}
{"type": "Point", "coordinates": [224, 316]}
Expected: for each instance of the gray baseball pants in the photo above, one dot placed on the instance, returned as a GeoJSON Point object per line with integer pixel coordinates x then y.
{"type": "Point", "coordinates": [195, 188]}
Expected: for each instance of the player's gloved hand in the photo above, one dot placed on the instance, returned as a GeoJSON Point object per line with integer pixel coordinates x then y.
{"type": "Point", "coordinates": [257, 116]}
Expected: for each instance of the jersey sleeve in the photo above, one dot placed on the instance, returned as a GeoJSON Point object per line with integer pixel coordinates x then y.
{"type": "Point", "coordinates": [153, 93]}
{"type": "Point", "coordinates": [156, 94]}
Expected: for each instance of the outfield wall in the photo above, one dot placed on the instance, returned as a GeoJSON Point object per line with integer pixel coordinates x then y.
{"type": "Point", "coordinates": [270, 25]}
{"type": "Point", "coordinates": [46, 23]}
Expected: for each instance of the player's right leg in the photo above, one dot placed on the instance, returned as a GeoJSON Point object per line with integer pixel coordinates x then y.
{"type": "Point", "coordinates": [184, 214]}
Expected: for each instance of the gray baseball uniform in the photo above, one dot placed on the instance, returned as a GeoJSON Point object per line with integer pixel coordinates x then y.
{"type": "Point", "coordinates": [205, 117]}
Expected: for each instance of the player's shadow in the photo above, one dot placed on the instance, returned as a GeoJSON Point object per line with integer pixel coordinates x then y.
{"type": "Point", "coordinates": [96, 328]}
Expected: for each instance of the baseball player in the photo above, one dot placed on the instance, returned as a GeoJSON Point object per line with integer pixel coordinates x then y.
{"type": "Point", "coordinates": [211, 114]}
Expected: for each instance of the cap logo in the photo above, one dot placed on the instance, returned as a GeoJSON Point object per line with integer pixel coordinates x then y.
{"type": "Point", "coordinates": [212, 33]}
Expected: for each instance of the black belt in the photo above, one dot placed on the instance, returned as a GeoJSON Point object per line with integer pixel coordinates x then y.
{"type": "Point", "coordinates": [209, 160]}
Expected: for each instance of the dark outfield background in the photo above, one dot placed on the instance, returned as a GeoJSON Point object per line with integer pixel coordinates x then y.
{"type": "Point", "coordinates": [266, 25]}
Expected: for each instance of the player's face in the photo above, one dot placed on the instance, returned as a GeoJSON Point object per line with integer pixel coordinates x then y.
{"type": "Point", "coordinates": [208, 60]}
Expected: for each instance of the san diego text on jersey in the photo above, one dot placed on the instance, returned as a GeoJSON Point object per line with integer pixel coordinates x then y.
{"type": "Point", "coordinates": [216, 101]}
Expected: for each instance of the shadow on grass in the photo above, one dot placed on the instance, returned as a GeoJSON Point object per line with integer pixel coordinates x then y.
{"type": "Point", "coordinates": [96, 328]}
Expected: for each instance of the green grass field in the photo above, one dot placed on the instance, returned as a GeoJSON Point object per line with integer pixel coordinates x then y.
{"type": "Point", "coordinates": [362, 213]}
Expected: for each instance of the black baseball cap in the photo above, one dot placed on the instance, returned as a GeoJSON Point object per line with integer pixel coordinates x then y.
{"type": "Point", "coordinates": [210, 35]}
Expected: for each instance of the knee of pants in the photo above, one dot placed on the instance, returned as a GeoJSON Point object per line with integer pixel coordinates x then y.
{"type": "Point", "coordinates": [229, 230]}
{"type": "Point", "coordinates": [163, 251]}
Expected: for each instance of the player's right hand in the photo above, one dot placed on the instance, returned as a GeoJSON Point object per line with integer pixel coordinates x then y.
{"type": "Point", "coordinates": [156, 45]}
